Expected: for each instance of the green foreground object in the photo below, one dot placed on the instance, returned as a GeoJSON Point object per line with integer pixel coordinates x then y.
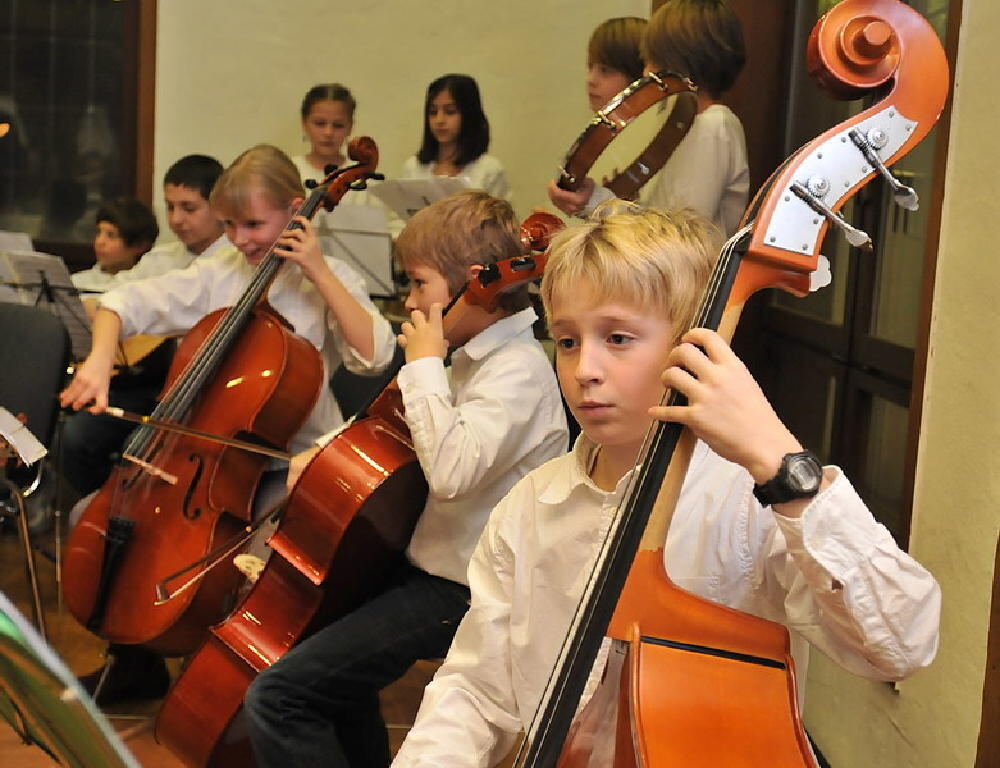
{"type": "Point", "coordinates": [45, 704]}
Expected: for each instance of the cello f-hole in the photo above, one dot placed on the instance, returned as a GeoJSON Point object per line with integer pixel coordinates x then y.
{"type": "Point", "coordinates": [186, 510]}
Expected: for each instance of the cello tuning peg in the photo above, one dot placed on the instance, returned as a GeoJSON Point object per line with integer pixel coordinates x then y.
{"type": "Point", "coordinates": [311, 183]}
{"type": "Point", "coordinates": [811, 197]}
{"type": "Point", "coordinates": [904, 196]}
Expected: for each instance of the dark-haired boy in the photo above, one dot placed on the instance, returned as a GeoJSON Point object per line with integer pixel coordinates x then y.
{"type": "Point", "coordinates": [186, 187]}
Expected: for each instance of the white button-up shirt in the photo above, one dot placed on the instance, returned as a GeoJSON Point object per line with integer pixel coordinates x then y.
{"type": "Point", "coordinates": [174, 302]}
{"type": "Point", "coordinates": [159, 260]}
{"type": "Point", "coordinates": [834, 576]}
{"type": "Point", "coordinates": [707, 172]}
{"type": "Point", "coordinates": [500, 417]}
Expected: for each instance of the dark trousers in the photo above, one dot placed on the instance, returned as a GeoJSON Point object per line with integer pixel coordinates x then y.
{"type": "Point", "coordinates": [319, 704]}
{"type": "Point", "coordinates": [90, 443]}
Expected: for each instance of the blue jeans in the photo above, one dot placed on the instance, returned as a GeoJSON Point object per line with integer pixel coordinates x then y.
{"type": "Point", "coordinates": [319, 704]}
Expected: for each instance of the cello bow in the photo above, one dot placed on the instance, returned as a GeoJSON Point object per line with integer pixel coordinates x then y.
{"type": "Point", "coordinates": [701, 684]}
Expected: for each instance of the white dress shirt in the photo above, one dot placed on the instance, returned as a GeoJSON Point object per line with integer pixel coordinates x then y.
{"type": "Point", "coordinates": [500, 417]}
{"type": "Point", "coordinates": [308, 173]}
{"type": "Point", "coordinates": [835, 577]}
{"type": "Point", "coordinates": [161, 259]}
{"type": "Point", "coordinates": [707, 172]}
{"type": "Point", "coordinates": [173, 303]}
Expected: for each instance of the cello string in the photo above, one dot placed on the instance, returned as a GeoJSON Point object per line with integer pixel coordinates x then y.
{"type": "Point", "coordinates": [180, 396]}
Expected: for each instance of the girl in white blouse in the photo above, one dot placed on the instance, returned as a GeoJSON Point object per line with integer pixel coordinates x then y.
{"type": "Point", "coordinates": [456, 137]}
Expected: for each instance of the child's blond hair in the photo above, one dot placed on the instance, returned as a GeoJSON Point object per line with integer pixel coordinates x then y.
{"type": "Point", "coordinates": [459, 231]}
{"type": "Point", "coordinates": [702, 39]}
{"type": "Point", "coordinates": [657, 262]}
{"type": "Point", "coordinates": [264, 167]}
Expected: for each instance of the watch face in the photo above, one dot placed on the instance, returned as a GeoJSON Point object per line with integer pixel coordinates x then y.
{"type": "Point", "coordinates": [804, 474]}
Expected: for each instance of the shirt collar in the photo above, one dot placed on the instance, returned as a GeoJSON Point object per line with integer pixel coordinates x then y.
{"type": "Point", "coordinates": [499, 333]}
{"type": "Point", "coordinates": [584, 452]}
{"type": "Point", "coordinates": [563, 484]}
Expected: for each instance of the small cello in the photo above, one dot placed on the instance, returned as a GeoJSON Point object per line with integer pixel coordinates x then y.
{"type": "Point", "coordinates": [239, 371]}
{"type": "Point", "coordinates": [347, 519]}
{"type": "Point", "coordinates": [700, 684]}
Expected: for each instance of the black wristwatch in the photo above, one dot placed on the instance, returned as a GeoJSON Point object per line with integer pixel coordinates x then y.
{"type": "Point", "coordinates": [799, 477]}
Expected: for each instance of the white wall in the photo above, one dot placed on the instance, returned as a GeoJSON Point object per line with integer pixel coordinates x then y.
{"type": "Point", "coordinates": [230, 75]}
{"type": "Point", "coordinates": [932, 720]}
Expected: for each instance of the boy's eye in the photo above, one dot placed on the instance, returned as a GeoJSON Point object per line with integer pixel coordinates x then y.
{"type": "Point", "coordinates": [618, 339]}
{"type": "Point", "coordinates": [565, 343]}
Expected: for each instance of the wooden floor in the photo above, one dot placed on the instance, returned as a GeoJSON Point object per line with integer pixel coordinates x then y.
{"type": "Point", "coordinates": [82, 653]}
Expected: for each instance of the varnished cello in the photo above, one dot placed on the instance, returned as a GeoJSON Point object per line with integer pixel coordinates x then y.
{"type": "Point", "coordinates": [239, 372]}
{"type": "Point", "coordinates": [348, 517]}
{"type": "Point", "coordinates": [701, 684]}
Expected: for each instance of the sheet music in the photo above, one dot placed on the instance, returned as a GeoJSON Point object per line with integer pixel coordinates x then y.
{"type": "Point", "coordinates": [407, 196]}
{"type": "Point", "coordinates": [20, 438]}
{"type": "Point", "coordinates": [15, 241]}
{"type": "Point", "coordinates": [42, 280]}
{"type": "Point", "coordinates": [358, 235]}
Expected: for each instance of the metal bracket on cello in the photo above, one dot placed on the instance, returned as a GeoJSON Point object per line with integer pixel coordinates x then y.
{"type": "Point", "coordinates": [829, 173]}
{"type": "Point", "coordinates": [811, 197]}
{"type": "Point", "coordinates": [904, 196]}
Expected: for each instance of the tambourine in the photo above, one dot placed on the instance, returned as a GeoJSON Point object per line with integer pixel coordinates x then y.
{"type": "Point", "coordinates": [610, 121]}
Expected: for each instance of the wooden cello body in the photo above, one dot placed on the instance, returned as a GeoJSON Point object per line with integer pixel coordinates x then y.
{"type": "Point", "coordinates": [177, 499]}
{"type": "Point", "coordinates": [347, 520]}
{"type": "Point", "coordinates": [694, 683]}
{"type": "Point", "coordinates": [273, 377]}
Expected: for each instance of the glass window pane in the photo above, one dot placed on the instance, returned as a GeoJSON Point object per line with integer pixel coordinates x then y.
{"type": "Point", "coordinates": [882, 474]}
{"type": "Point", "coordinates": [62, 97]}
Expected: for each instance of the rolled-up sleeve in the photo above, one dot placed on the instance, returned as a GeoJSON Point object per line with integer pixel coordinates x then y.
{"type": "Point", "coordinates": [851, 591]}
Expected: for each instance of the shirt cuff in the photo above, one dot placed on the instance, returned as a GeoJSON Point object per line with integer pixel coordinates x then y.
{"type": "Point", "coordinates": [422, 378]}
{"type": "Point", "coordinates": [832, 526]}
{"type": "Point", "coordinates": [598, 196]}
{"type": "Point", "coordinates": [384, 345]}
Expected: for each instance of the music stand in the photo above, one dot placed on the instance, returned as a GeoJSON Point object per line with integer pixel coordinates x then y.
{"type": "Point", "coordinates": [46, 705]}
{"type": "Point", "coordinates": [358, 235]}
{"type": "Point", "coordinates": [405, 197]}
{"type": "Point", "coordinates": [41, 279]}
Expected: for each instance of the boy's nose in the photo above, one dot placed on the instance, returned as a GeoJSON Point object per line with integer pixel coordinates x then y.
{"type": "Point", "coordinates": [588, 370]}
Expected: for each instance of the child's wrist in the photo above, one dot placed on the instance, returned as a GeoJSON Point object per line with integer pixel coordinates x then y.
{"type": "Point", "coordinates": [766, 462]}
